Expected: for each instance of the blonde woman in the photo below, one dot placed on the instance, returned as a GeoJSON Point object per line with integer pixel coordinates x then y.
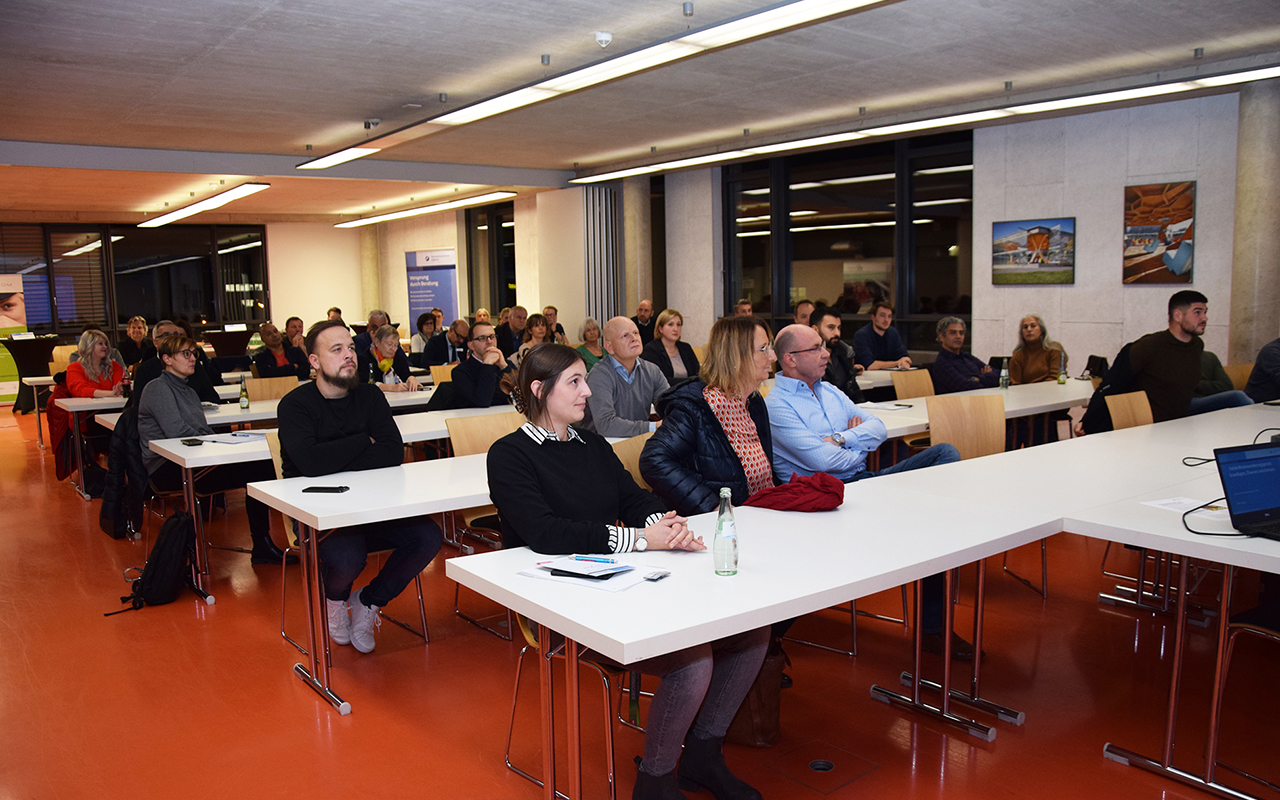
{"type": "Point", "coordinates": [675, 358]}
{"type": "Point", "coordinates": [1036, 357]}
{"type": "Point", "coordinates": [591, 350]}
{"type": "Point", "coordinates": [94, 374]}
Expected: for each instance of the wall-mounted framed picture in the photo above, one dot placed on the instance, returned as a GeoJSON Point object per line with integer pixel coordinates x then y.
{"type": "Point", "coordinates": [1033, 251]}
{"type": "Point", "coordinates": [1159, 224]}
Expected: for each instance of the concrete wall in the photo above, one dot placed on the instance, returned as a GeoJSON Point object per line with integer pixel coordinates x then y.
{"type": "Point", "coordinates": [394, 239]}
{"type": "Point", "coordinates": [695, 250]}
{"type": "Point", "coordinates": [562, 258]}
{"type": "Point", "coordinates": [1078, 167]}
{"type": "Point", "coordinates": [312, 267]}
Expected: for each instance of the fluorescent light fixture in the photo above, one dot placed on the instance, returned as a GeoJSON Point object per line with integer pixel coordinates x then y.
{"type": "Point", "coordinates": [765, 218]}
{"type": "Point", "coordinates": [944, 170]}
{"type": "Point", "coordinates": [754, 192]}
{"type": "Point", "coordinates": [248, 246]}
{"type": "Point", "coordinates": [745, 234]}
{"type": "Point", "coordinates": [771, 21]}
{"type": "Point", "coordinates": [90, 247]}
{"type": "Point", "coordinates": [1239, 77]}
{"type": "Point", "coordinates": [886, 176]}
{"type": "Point", "coordinates": [1105, 97]}
{"type": "Point", "coordinates": [415, 212]}
{"type": "Point", "coordinates": [208, 204]}
{"type": "Point", "coordinates": [340, 157]}
{"type": "Point", "coordinates": [806, 185]}
{"type": "Point", "coordinates": [495, 105]}
{"type": "Point", "coordinates": [939, 122]}
{"type": "Point", "coordinates": [666, 165]}
{"type": "Point", "coordinates": [816, 141]}
{"type": "Point", "coordinates": [621, 66]}
{"type": "Point", "coordinates": [948, 202]}
{"type": "Point", "coordinates": [508, 224]}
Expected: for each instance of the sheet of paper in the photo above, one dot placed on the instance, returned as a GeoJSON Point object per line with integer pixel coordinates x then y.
{"type": "Point", "coordinates": [886, 406]}
{"type": "Point", "coordinates": [1182, 505]}
{"type": "Point", "coordinates": [617, 583]}
{"type": "Point", "coordinates": [585, 565]}
{"type": "Point", "coordinates": [234, 438]}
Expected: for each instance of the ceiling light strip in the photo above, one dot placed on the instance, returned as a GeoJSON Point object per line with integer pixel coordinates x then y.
{"type": "Point", "coordinates": [955, 120]}
{"type": "Point", "coordinates": [491, 197]}
{"type": "Point", "coordinates": [208, 204]}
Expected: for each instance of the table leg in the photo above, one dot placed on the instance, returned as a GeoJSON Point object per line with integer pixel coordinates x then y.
{"type": "Point", "coordinates": [943, 711]}
{"type": "Point", "coordinates": [77, 441]}
{"type": "Point", "coordinates": [200, 564]}
{"type": "Point", "coordinates": [35, 390]}
{"type": "Point", "coordinates": [548, 714]}
{"type": "Point", "coordinates": [317, 677]}
{"type": "Point", "coordinates": [573, 725]}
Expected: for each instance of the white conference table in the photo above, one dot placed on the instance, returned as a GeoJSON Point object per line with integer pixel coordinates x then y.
{"type": "Point", "coordinates": [37, 383]}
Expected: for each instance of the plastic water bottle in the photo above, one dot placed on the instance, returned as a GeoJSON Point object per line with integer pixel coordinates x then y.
{"type": "Point", "coordinates": [1062, 368]}
{"type": "Point", "coordinates": [244, 395]}
{"type": "Point", "coordinates": [1004, 374]}
{"type": "Point", "coordinates": [724, 548]}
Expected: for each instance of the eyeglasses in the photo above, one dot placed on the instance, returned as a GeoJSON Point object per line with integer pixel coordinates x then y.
{"type": "Point", "coordinates": [768, 348]}
{"type": "Point", "coordinates": [488, 337]}
{"type": "Point", "coordinates": [188, 353]}
{"type": "Point", "coordinates": [813, 349]}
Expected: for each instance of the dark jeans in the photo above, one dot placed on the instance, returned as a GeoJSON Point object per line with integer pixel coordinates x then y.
{"type": "Point", "coordinates": [1214, 402]}
{"type": "Point", "coordinates": [413, 542]}
{"type": "Point", "coordinates": [168, 478]}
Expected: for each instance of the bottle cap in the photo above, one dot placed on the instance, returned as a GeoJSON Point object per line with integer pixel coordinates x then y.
{"type": "Point", "coordinates": [725, 491]}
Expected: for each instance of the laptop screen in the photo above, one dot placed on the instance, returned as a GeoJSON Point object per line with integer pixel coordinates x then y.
{"type": "Point", "coordinates": [1251, 479]}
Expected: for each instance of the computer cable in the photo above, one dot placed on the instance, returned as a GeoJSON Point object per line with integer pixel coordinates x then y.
{"type": "Point", "coordinates": [1236, 535]}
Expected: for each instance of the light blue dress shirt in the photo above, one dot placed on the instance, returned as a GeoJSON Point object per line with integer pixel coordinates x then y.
{"type": "Point", "coordinates": [799, 419]}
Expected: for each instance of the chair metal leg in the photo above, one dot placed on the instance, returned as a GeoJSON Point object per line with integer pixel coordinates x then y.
{"type": "Point", "coordinates": [1043, 589]}
{"type": "Point", "coordinates": [480, 623]}
{"type": "Point", "coordinates": [854, 612]}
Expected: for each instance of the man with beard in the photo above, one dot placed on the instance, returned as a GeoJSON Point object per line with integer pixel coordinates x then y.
{"type": "Point", "coordinates": [841, 372]}
{"type": "Point", "coordinates": [337, 424]}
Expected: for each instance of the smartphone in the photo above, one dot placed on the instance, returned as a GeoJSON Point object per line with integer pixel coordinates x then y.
{"type": "Point", "coordinates": [192, 442]}
{"type": "Point", "coordinates": [327, 489]}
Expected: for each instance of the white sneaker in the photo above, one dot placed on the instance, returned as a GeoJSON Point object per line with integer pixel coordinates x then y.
{"type": "Point", "coordinates": [339, 621]}
{"type": "Point", "coordinates": [363, 621]}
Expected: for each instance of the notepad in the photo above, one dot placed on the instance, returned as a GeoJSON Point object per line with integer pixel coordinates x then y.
{"type": "Point", "coordinates": [595, 567]}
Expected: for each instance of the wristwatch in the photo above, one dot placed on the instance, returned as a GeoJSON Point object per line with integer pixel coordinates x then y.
{"type": "Point", "coordinates": [642, 543]}
{"type": "Point", "coordinates": [838, 439]}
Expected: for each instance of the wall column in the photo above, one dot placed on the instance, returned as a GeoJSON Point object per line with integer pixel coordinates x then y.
{"type": "Point", "coordinates": [637, 231]}
{"type": "Point", "coordinates": [1255, 270]}
{"type": "Point", "coordinates": [695, 250]}
{"type": "Point", "coordinates": [370, 277]}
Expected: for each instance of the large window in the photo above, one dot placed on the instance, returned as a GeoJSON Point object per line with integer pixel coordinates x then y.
{"type": "Point", "coordinates": [491, 257]}
{"type": "Point", "coordinates": [886, 221]}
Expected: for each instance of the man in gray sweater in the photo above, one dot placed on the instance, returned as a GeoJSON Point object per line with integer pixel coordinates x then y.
{"type": "Point", "coordinates": [624, 387]}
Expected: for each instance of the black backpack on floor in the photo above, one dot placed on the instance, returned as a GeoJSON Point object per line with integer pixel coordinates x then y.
{"type": "Point", "coordinates": [167, 568]}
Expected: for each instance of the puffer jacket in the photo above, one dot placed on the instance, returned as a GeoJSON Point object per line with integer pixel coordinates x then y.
{"type": "Point", "coordinates": [689, 457]}
{"type": "Point", "coordinates": [125, 492]}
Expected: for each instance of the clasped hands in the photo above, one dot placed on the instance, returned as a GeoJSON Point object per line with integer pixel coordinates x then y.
{"type": "Point", "coordinates": [672, 533]}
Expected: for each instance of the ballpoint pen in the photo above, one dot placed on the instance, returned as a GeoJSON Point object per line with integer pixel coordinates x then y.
{"type": "Point", "coordinates": [596, 560]}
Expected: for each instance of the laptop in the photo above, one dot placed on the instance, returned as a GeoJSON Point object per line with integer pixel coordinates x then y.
{"type": "Point", "coordinates": [1251, 479]}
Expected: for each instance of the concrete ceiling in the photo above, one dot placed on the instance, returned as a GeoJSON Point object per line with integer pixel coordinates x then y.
{"type": "Point", "coordinates": [269, 77]}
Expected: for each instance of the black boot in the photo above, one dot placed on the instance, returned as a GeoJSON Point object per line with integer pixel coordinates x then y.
{"type": "Point", "coordinates": [266, 552]}
{"type": "Point", "coordinates": [702, 766]}
{"type": "Point", "coordinates": [662, 787]}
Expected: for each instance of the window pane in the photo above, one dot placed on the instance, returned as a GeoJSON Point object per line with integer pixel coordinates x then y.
{"type": "Point", "coordinates": [78, 291]}
{"type": "Point", "coordinates": [942, 208]}
{"type": "Point", "coordinates": [842, 228]}
{"type": "Point", "coordinates": [22, 253]}
{"type": "Point", "coordinates": [752, 249]}
{"type": "Point", "coordinates": [242, 274]}
{"type": "Point", "coordinates": [164, 273]}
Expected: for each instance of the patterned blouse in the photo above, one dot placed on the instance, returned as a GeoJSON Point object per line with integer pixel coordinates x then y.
{"type": "Point", "coordinates": [731, 411]}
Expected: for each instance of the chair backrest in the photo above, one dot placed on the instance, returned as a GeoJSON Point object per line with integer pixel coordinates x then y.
{"type": "Point", "coordinates": [1129, 410]}
{"type": "Point", "coordinates": [273, 444]}
{"type": "Point", "coordinates": [1239, 374]}
{"type": "Point", "coordinates": [912, 383]}
{"type": "Point", "coordinates": [628, 452]}
{"type": "Point", "coordinates": [442, 373]}
{"type": "Point", "coordinates": [471, 435]}
{"type": "Point", "coordinates": [972, 423]}
{"type": "Point", "coordinates": [58, 366]}
{"type": "Point", "coordinates": [63, 352]}
{"type": "Point", "coordinates": [270, 388]}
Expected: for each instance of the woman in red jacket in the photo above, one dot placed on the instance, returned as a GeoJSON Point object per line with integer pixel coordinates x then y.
{"type": "Point", "coordinates": [95, 374]}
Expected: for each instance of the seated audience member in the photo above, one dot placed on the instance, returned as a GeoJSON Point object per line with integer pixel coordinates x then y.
{"type": "Point", "coordinates": [624, 387]}
{"type": "Point", "coordinates": [557, 330]}
{"type": "Point", "coordinates": [426, 329]}
{"type": "Point", "coordinates": [151, 368]}
{"type": "Point", "coordinates": [954, 370]}
{"type": "Point", "coordinates": [816, 428]}
{"type": "Point", "coordinates": [1264, 380]}
{"type": "Point", "coordinates": [385, 363]}
{"type": "Point", "coordinates": [295, 333]}
{"type": "Point", "coordinates": [334, 313]}
{"type": "Point", "coordinates": [675, 358]}
{"type": "Point", "coordinates": [742, 308]}
{"type": "Point", "coordinates": [842, 371]}
{"type": "Point", "coordinates": [590, 349]}
{"type": "Point", "coordinates": [439, 315]}
{"type": "Point", "coordinates": [644, 321]}
{"type": "Point", "coordinates": [377, 318]}
{"type": "Point", "coordinates": [504, 314]}
{"type": "Point", "coordinates": [1166, 364]}
{"type": "Point", "coordinates": [482, 315]}
{"type": "Point", "coordinates": [206, 365]}
{"type": "Point", "coordinates": [477, 378]}
{"type": "Point", "coordinates": [278, 358]}
{"type": "Point", "coordinates": [715, 430]}
{"type": "Point", "coordinates": [511, 332]}
{"type": "Point", "coordinates": [537, 330]}
{"type": "Point", "coordinates": [803, 310]}
{"type": "Point", "coordinates": [94, 374]}
{"type": "Point", "coordinates": [135, 346]}
{"type": "Point", "coordinates": [537, 475]}
{"type": "Point", "coordinates": [169, 409]}
{"type": "Point", "coordinates": [1213, 378]}
{"type": "Point", "coordinates": [338, 424]}
{"type": "Point", "coordinates": [1036, 357]}
{"type": "Point", "coordinates": [115, 353]}
{"type": "Point", "coordinates": [878, 345]}
{"type": "Point", "coordinates": [450, 348]}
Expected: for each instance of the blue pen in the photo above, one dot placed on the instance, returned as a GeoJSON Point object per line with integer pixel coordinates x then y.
{"type": "Point", "coordinates": [595, 560]}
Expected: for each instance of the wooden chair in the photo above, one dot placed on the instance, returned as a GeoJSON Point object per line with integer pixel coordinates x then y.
{"type": "Point", "coordinates": [442, 373]}
{"type": "Point", "coordinates": [1129, 410]}
{"type": "Point", "coordinates": [273, 444]}
{"type": "Point", "coordinates": [63, 352]}
{"type": "Point", "coordinates": [1239, 374]}
{"type": "Point", "coordinates": [628, 452]}
{"type": "Point", "coordinates": [270, 388]}
{"type": "Point", "coordinates": [910, 384]}
{"type": "Point", "coordinates": [698, 351]}
{"type": "Point", "coordinates": [470, 436]}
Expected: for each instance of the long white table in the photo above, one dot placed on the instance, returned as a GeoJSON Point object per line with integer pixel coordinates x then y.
{"type": "Point", "coordinates": [76, 406]}
{"type": "Point", "coordinates": [37, 383]}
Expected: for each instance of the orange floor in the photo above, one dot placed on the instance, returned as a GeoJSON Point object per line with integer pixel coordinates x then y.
{"type": "Point", "coordinates": [196, 701]}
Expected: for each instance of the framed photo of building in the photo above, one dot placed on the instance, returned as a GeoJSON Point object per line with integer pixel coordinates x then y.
{"type": "Point", "coordinates": [1033, 251]}
{"type": "Point", "coordinates": [1159, 225]}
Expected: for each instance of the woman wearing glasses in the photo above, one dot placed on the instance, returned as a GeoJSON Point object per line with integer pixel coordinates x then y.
{"type": "Point", "coordinates": [539, 478]}
{"type": "Point", "coordinates": [715, 429]}
{"type": "Point", "coordinates": [170, 409]}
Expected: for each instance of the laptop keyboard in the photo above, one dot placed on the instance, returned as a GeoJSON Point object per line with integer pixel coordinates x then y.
{"type": "Point", "coordinates": [1270, 530]}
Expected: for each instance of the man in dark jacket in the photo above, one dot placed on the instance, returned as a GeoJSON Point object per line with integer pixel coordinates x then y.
{"type": "Point", "coordinates": [841, 372]}
{"type": "Point", "coordinates": [476, 380]}
{"type": "Point", "coordinates": [450, 347]}
{"type": "Point", "coordinates": [957, 371]}
{"type": "Point", "coordinates": [511, 333]}
{"type": "Point", "coordinates": [279, 358]}
{"type": "Point", "coordinates": [337, 424]}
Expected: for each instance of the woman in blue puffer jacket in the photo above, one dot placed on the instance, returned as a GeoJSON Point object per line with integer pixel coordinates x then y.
{"type": "Point", "coordinates": [715, 429]}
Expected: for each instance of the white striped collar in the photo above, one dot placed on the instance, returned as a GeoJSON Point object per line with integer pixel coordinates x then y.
{"type": "Point", "coordinates": [539, 434]}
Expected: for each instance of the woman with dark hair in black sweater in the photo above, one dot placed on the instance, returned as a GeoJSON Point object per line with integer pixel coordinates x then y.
{"type": "Point", "coordinates": [560, 490]}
